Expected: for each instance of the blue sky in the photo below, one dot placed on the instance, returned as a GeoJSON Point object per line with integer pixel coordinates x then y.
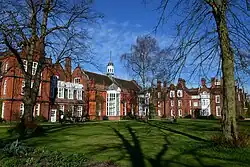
{"type": "Point", "coordinates": [123, 21]}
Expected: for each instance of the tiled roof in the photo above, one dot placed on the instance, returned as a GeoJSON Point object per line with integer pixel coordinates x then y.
{"type": "Point", "coordinates": [193, 91]}
{"type": "Point", "coordinates": [107, 81]}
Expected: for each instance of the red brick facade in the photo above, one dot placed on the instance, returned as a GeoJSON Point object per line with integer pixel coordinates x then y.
{"type": "Point", "coordinates": [92, 102]}
{"type": "Point", "coordinates": [202, 101]}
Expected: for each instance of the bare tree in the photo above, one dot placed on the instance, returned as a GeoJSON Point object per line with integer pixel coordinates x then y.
{"type": "Point", "coordinates": [37, 29]}
{"type": "Point", "coordinates": [216, 32]}
{"type": "Point", "coordinates": [146, 62]}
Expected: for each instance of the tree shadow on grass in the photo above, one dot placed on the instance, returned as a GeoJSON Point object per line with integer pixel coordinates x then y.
{"type": "Point", "coordinates": [138, 158]}
{"type": "Point", "coordinates": [159, 126]}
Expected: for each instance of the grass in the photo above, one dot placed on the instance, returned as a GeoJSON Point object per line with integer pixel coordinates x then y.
{"type": "Point", "coordinates": [131, 143]}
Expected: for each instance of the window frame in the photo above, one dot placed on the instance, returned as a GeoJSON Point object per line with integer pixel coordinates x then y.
{"type": "Point", "coordinates": [21, 109]}
{"type": "Point", "coordinates": [25, 65]}
{"type": "Point", "coordinates": [172, 94]}
{"type": "Point", "coordinates": [34, 67]}
{"type": "Point", "coordinates": [216, 99]}
{"type": "Point", "coordinates": [76, 79]}
{"type": "Point", "coordinates": [216, 109]}
{"type": "Point", "coordinates": [5, 87]}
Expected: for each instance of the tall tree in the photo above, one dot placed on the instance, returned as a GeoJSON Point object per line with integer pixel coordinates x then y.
{"type": "Point", "coordinates": [145, 62]}
{"type": "Point", "coordinates": [215, 31]}
{"type": "Point", "coordinates": [46, 28]}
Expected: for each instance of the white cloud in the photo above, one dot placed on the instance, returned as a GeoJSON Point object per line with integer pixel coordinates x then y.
{"type": "Point", "coordinates": [118, 38]}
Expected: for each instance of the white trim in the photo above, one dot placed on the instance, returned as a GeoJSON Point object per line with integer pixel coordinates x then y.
{"type": "Point", "coordinates": [21, 109]}
{"type": "Point", "coordinates": [79, 111]}
{"type": "Point", "coordinates": [172, 112]}
{"type": "Point", "coordinates": [171, 103]}
{"type": "Point", "coordinates": [25, 65]}
{"type": "Point", "coordinates": [217, 98]}
{"type": "Point", "coordinates": [6, 68]}
{"type": "Point", "coordinates": [2, 115]}
{"type": "Point", "coordinates": [171, 94]}
{"type": "Point", "coordinates": [5, 87]}
{"type": "Point", "coordinates": [180, 112]}
{"type": "Point", "coordinates": [179, 103]}
{"type": "Point", "coordinates": [77, 79]}
{"type": "Point", "coordinates": [218, 113]}
{"type": "Point", "coordinates": [37, 110]}
{"type": "Point", "coordinates": [34, 67]}
{"type": "Point", "coordinates": [179, 92]}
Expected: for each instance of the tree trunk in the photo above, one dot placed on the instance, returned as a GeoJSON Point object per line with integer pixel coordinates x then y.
{"type": "Point", "coordinates": [229, 125]}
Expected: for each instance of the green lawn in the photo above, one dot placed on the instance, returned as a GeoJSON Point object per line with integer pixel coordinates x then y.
{"type": "Point", "coordinates": [131, 143]}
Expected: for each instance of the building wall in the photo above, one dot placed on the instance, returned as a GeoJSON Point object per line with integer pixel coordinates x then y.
{"type": "Point", "coordinates": [214, 90]}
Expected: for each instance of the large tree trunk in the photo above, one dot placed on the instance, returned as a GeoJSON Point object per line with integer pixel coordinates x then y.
{"type": "Point", "coordinates": [229, 125]}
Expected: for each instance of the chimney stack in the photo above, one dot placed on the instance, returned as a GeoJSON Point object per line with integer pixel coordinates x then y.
{"type": "Point", "coordinates": [68, 69]}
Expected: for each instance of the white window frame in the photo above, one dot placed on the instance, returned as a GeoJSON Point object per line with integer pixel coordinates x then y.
{"type": "Point", "coordinates": [25, 65]}
{"type": "Point", "coordinates": [62, 92]}
{"type": "Point", "coordinates": [179, 103]}
{"type": "Point", "coordinates": [179, 92]}
{"type": "Point", "coordinates": [21, 109]}
{"type": "Point", "coordinates": [195, 104]}
{"type": "Point", "coordinates": [34, 67]}
{"type": "Point", "coordinates": [77, 79]}
{"type": "Point", "coordinates": [180, 112]}
{"type": "Point", "coordinates": [23, 85]}
{"type": "Point", "coordinates": [218, 107]}
{"type": "Point", "coordinates": [159, 95]}
{"type": "Point", "coordinates": [125, 108]}
{"type": "Point", "coordinates": [171, 93]}
{"type": "Point", "coordinates": [40, 89]}
{"type": "Point", "coordinates": [113, 107]}
{"type": "Point", "coordinates": [31, 84]}
{"type": "Point", "coordinates": [6, 68]}
{"type": "Point", "coordinates": [190, 103]}
{"type": "Point", "coordinates": [3, 104]}
{"type": "Point", "coordinates": [37, 109]}
{"type": "Point", "coordinates": [5, 87]}
{"type": "Point", "coordinates": [171, 103]}
{"type": "Point", "coordinates": [61, 108]}
{"type": "Point", "coordinates": [172, 112]}
{"type": "Point", "coordinates": [217, 99]}
{"type": "Point", "coordinates": [79, 94]}
{"type": "Point", "coordinates": [70, 93]}
{"type": "Point", "coordinates": [79, 111]}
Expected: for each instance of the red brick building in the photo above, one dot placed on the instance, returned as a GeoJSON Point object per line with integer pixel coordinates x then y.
{"type": "Point", "coordinates": [178, 100]}
{"type": "Point", "coordinates": [78, 92]}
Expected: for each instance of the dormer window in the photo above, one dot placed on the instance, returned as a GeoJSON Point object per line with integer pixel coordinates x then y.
{"type": "Point", "coordinates": [171, 94]}
{"type": "Point", "coordinates": [179, 93]}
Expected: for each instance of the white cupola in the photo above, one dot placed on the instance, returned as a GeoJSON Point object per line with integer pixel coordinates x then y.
{"type": "Point", "coordinates": [110, 67]}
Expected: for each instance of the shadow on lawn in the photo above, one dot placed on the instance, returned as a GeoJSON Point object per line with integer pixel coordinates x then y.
{"type": "Point", "coordinates": [138, 158]}
{"type": "Point", "coordinates": [160, 126]}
